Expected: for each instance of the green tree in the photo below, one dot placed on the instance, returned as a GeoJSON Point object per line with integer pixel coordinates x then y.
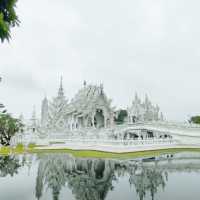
{"type": "Point", "coordinates": [195, 120]}
{"type": "Point", "coordinates": [9, 165]}
{"type": "Point", "coordinates": [8, 18]}
{"type": "Point", "coordinates": [122, 114]}
{"type": "Point", "coordinates": [8, 127]}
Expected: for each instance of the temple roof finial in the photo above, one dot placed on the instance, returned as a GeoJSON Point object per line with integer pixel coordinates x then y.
{"type": "Point", "coordinates": [34, 112]}
{"type": "Point", "coordinates": [45, 95]}
{"type": "Point", "coordinates": [61, 91]}
{"type": "Point", "coordinates": [61, 80]}
{"type": "Point", "coordinates": [84, 83]}
{"type": "Point", "coordinates": [146, 98]}
{"type": "Point", "coordinates": [136, 96]}
{"type": "Point", "coordinates": [101, 88]}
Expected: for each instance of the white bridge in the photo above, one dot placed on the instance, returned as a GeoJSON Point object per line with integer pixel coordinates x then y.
{"type": "Point", "coordinates": [121, 138]}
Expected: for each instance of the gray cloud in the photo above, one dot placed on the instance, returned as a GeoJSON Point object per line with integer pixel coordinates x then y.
{"type": "Point", "coordinates": [146, 46]}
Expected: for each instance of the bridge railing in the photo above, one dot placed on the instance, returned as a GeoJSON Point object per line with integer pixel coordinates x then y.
{"type": "Point", "coordinates": [123, 142]}
{"type": "Point", "coordinates": [95, 142]}
{"type": "Point", "coordinates": [168, 124]}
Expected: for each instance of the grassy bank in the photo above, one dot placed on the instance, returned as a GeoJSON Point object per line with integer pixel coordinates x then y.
{"type": "Point", "coordinates": [20, 149]}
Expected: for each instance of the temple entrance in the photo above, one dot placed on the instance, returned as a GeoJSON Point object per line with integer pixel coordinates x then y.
{"type": "Point", "coordinates": [134, 119]}
{"type": "Point", "coordinates": [80, 122]}
{"type": "Point", "coordinates": [99, 119]}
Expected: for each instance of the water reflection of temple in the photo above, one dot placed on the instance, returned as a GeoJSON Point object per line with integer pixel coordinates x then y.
{"type": "Point", "coordinates": [149, 180]}
{"type": "Point", "coordinates": [88, 179]}
{"type": "Point", "coordinates": [92, 179]}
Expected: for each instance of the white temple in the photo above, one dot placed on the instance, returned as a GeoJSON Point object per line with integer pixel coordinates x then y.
{"type": "Point", "coordinates": [89, 117]}
{"type": "Point", "coordinates": [143, 111]}
{"type": "Point", "coordinates": [89, 108]}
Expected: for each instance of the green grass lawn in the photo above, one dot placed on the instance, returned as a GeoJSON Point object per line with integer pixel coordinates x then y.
{"type": "Point", "coordinates": [93, 154]}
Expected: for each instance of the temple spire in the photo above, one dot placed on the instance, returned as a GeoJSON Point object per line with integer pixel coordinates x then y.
{"type": "Point", "coordinates": [44, 111]}
{"type": "Point", "coordinates": [84, 83]}
{"type": "Point", "coordinates": [34, 113]}
{"type": "Point", "coordinates": [33, 120]}
{"type": "Point", "coordinates": [101, 88]}
{"type": "Point", "coordinates": [136, 96]}
{"type": "Point", "coordinates": [61, 91]}
{"type": "Point", "coordinates": [137, 100]}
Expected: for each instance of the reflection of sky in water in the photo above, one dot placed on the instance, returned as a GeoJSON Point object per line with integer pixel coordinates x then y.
{"type": "Point", "coordinates": [179, 187]}
{"type": "Point", "coordinates": [179, 184]}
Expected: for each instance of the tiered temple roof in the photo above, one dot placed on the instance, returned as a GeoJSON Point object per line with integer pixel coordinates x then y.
{"type": "Point", "coordinates": [84, 100]}
{"type": "Point", "coordinates": [89, 107]}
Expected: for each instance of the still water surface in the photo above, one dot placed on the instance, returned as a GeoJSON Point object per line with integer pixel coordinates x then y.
{"type": "Point", "coordinates": [64, 177]}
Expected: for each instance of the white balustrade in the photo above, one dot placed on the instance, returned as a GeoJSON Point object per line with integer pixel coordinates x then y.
{"type": "Point", "coordinates": [105, 137]}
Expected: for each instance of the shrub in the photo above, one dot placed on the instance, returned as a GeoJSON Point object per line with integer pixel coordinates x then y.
{"type": "Point", "coordinates": [195, 120]}
{"type": "Point", "coordinates": [4, 150]}
{"type": "Point", "coordinates": [19, 148]}
{"type": "Point", "coordinates": [9, 126]}
{"type": "Point", "coordinates": [31, 146]}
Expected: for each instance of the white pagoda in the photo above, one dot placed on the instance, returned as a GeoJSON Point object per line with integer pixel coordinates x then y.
{"type": "Point", "coordinates": [89, 108]}
{"type": "Point", "coordinates": [143, 111]}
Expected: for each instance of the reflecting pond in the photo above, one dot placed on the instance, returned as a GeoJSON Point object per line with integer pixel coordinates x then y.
{"type": "Point", "coordinates": [62, 176]}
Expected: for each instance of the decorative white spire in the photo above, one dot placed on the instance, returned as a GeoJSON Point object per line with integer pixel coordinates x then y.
{"type": "Point", "coordinates": [157, 108]}
{"type": "Point", "coordinates": [144, 110]}
{"type": "Point", "coordinates": [161, 117]}
{"type": "Point", "coordinates": [21, 117]}
{"type": "Point", "coordinates": [33, 113]}
{"type": "Point", "coordinates": [137, 99]}
{"type": "Point", "coordinates": [33, 120]}
{"type": "Point", "coordinates": [101, 88]}
{"type": "Point", "coordinates": [44, 111]}
{"type": "Point", "coordinates": [61, 91]}
{"type": "Point", "coordinates": [84, 83]}
{"type": "Point", "coordinates": [146, 98]}
{"type": "Point", "coordinates": [136, 96]}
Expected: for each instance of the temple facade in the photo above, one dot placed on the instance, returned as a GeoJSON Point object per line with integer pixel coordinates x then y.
{"type": "Point", "coordinates": [89, 108]}
{"type": "Point", "coordinates": [143, 111]}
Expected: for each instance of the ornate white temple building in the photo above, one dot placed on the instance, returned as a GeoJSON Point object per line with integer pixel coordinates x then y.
{"type": "Point", "coordinates": [89, 108]}
{"type": "Point", "coordinates": [143, 111]}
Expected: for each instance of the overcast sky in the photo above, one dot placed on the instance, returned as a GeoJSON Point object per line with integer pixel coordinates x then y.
{"type": "Point", "coordinates": [148, 46]}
